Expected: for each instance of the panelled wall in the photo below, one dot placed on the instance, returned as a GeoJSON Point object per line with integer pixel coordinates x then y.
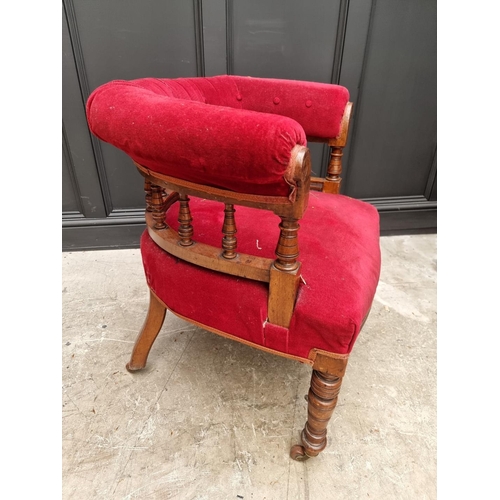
{"type": "Point", "coordinates": [383, 51]}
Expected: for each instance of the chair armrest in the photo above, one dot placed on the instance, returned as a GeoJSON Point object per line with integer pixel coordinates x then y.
{"type": "Point", "coordinates": [236, 149]}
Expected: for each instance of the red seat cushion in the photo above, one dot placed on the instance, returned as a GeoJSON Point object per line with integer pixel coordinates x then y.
{"type": "Point", "coordinates": [340, 255]}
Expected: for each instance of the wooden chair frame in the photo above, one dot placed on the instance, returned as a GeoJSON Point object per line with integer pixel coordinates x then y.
{"type": "Point", "coordinates": [282, 273]}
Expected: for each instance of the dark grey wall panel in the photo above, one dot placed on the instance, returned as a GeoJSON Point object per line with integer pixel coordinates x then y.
{"type": "Point", "coordinates": [383, 51]}
{"type": "Point", "coordinates": [431, 189]}
{"type": "Point", "coordinates": [394, 134]}
{"type": "Point", "coordinates": [433, 196]}
{"type": "Point", "coordinates": [76, 137]}
{"type": "Point", "coordinates": [102, 237]}
{"type": "Point", "coordinates": [122, 179]}
{"type": "Point", "coordinates": [408, 222]}
{"type": "Point", "coordinates": [70, 193]}
{"type": "Point", "coordinates": [214, 37]}
{"type": "Point", "coordinates": [353, 54]}
{"type": "Point", "coordinates": [126, 40]}
{"type": "Point", "coordinates": [284, 39]}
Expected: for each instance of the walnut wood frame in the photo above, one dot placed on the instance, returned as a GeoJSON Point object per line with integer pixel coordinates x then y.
{"type": "Point", "coordinates": [282, 274]}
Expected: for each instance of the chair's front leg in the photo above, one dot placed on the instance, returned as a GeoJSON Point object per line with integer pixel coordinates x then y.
{"type": "Point", "coordinates": [147, 336]}
{"type": "Point", "coordinates": [322, 399]}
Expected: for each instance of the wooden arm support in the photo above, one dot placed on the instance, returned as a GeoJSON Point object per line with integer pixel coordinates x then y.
{"type": "Point", "coordinates": [331, 183]}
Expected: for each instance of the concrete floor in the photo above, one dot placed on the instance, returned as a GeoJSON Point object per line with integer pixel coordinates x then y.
{"type": "Point", "coordinates": [221, 428]}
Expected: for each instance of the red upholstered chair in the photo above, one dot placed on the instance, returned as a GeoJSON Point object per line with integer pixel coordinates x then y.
{"type": "Point", "coordinates": [298, 276]}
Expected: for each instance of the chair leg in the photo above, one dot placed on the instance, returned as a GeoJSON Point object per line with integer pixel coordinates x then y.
{"type": "Point", "coordinates": [322, 399]}
{"type": "Point", "coordinates": [148, 334]}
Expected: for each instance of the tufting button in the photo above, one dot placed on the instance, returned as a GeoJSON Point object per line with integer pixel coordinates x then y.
{"type": "Point", "coordinates": [276, 100]}
{"type": "Point", "coordinates": [308, 103]}
{"type": "Point", "coordinates": [238, 97]}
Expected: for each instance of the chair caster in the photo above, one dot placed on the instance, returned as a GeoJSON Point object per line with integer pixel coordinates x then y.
{"type": "Point", "coordinates": [298, 453]}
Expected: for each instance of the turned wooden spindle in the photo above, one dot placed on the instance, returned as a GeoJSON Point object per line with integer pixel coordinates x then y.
{"type": "Point", "coordinates": [335, 168]}
{"type": "Point", "coordinates": [158, 207]}
{"type": "Point", "coordinates": [185, 228]}
{"type": "Point", "coordinates": [165, 197]}
{"type": "Point", "coordinates": [321, 401]}
{"type": "Point", "coordinates": [229, 241]}
{"type": "Point", "coordinates": [287, 249]}
{"type": "Point", "coordinates": [147, 190]}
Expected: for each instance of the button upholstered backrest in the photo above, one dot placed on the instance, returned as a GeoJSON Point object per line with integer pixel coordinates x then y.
{"type": "Point", "coordinates": [231, 132]}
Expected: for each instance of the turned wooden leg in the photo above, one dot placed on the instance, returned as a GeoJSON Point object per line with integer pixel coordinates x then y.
{"type": "Point", "coordinates": [149, 332]}
{"type": "Point", "coordinates": [321, 402]}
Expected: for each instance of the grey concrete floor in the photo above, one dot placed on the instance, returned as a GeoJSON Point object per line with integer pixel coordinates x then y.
{"type": "Point", "coordinates": [210, 418]}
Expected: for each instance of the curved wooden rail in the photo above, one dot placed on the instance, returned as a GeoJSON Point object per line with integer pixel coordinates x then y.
{"type": "Point", "coordinates": [201, 254]}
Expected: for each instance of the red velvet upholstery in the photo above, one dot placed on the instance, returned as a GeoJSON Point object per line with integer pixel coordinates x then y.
{"type": "Point", "coordinates": [230, 132]}
{"type": "Point", "coordinates": [340, 255]}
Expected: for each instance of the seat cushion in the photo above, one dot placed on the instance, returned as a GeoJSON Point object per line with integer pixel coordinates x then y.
{"type": "Point", "coordinates": [340, 256]}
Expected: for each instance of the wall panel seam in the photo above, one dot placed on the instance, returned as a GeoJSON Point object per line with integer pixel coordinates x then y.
{"type": "Point", "coordinates": [81, 72]}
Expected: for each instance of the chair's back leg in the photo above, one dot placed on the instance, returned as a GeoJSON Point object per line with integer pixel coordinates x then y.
{"type": "Point", "coordinates": [333, 176]}
{"type": "Point", "coordinates": [147, 336]}
{"type": "Point", "coordinates": [333, 179]}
